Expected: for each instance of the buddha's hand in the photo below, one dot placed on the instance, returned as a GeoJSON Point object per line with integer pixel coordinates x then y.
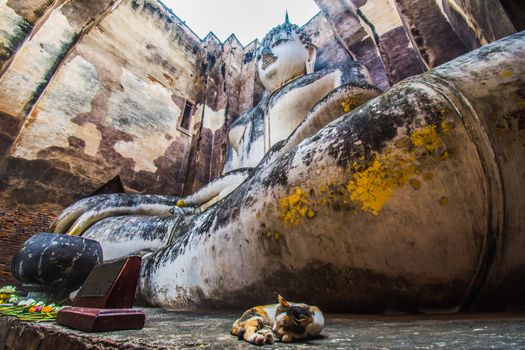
{"type": "Point", "coordinates": [78, 217]}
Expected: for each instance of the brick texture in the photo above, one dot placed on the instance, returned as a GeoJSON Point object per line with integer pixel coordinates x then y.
{"type": "Point", "coordinates": [16, 226]}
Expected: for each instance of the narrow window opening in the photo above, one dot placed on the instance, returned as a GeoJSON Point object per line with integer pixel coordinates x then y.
{"type": "Point", "coordinates": [186, 115]}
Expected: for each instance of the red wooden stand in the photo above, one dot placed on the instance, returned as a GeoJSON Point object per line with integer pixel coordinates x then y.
{"type": "Point", "coordinates": [89, 319]}
{"type": "Point", "coordinates": [105, 300]}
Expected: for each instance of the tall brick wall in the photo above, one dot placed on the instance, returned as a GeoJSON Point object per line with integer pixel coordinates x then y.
{"type": "Point", "coordinates": [16, 226]}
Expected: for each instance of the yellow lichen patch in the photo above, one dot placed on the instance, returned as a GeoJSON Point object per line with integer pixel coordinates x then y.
{"type": "Point", "coordinates": [349, 104]}
{"type": "Point", "coordinates": [373, 186]}
{"type": "Point", "coordinates": [426, 137]}
{"type": "Point", "coordinates": [427, 176]}
{"type": "Point", "coordinates": [402, 143]}
{"type": "Point", "coordinates": [505, 73]}
{"type": "Point", "coordinates": [443, 201]}
{"type": "Point", "coordinates": [294, 207]}
{"type": "Point", "coordinates": [445, 126]}
{"type": "Point", "coordinates": [415, 184]}
{"type": "Point", "coordinates": [273, 235]}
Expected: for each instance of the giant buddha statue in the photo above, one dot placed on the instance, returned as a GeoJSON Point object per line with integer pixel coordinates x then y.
{"type": "Point", "coordinates": [412, 201]}
{"type": "Point", "coordinates": [286, 61]}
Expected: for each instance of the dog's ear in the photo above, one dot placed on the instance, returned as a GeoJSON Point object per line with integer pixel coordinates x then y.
{"type": "Point", "coordinates": [283, 302]}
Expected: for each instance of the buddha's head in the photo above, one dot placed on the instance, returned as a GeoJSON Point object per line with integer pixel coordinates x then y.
{"type": "Point", "coordinates": [286, 53]}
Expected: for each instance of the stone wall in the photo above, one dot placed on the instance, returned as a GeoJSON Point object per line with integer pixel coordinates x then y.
{"type": "Point", "coordinates": [430, 31]}
{"type": "Point", "coordinates": [16, 226]}
{"type": "Point", "coordinates": [479, 22]}
{"type": "Point", "coordinates": [18, 20]}
{"type": "Point", "coordinates": [100, 91]}
{"type": "Point", "coordinates": [396, 39]}
{"type": "Point", "coordinates": [382, 21]}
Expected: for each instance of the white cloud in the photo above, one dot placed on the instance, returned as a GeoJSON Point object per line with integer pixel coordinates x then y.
{"type": "Point", "coordinates": [247, 19]}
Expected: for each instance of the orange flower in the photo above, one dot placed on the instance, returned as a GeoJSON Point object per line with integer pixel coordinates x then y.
{"type": "Point", "coordinates": [32, 309]}
{"type": "Point", "coordinates": [47, 309]}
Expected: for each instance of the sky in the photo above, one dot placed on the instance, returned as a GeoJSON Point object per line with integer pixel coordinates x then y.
{"type": "Point", "coordinates": [247, 19]}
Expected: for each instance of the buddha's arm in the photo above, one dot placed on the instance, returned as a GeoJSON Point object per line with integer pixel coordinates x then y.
{"type": "Point", "coordinates": [339, 101]}
{"type": "Point", "coordinates": [216, 190]}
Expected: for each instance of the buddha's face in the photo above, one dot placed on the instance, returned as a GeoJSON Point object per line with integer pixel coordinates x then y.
{"type": "Point", "coordinates": [282, 59]}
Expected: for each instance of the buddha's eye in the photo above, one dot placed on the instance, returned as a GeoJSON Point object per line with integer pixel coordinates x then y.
{"type": "Point", "coordinates": [279, 42]}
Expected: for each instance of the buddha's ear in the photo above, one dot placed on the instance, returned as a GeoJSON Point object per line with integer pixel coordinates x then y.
{"type": "Point", "coordinates": [283, 302]}
{"type": "Point", "coordinates": [310, 63]}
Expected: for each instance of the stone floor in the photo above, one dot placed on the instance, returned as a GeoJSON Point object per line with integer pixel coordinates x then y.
{"type": "Point", "coordinates": [182, 330]}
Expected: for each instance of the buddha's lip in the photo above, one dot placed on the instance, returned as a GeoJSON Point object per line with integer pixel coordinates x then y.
{"type": "Point", "coordinates": [267, 60]}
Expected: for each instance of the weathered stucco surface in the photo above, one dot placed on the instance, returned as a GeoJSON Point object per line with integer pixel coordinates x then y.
{"type": "Point", "coordinates": [478, 22]}
{"type": "Point", "coordinates": [13, 29]}
{"type": "Point", "coordinates": [354, 37]}
{"type": "Point", "coordinates": [430, 31]}
{"type": "Point", "coordinates": [16, 24]}
{"type": "Point", "coordinates": [383, 23]}
{"type": "Point", "coordinates": [113, 104]}
{"type": "Point", "coordinates": [17, 20]}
